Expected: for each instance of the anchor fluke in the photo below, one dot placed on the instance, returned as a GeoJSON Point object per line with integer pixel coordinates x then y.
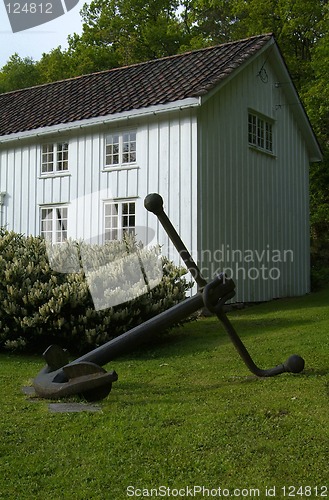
{"type": "Point", "coordinates": [87, 379]}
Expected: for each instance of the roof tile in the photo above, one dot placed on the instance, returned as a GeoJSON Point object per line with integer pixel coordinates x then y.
{"type": "Point", "coordinates": [159, 81]}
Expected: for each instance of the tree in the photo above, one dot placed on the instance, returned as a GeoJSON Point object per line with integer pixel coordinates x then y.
{"type": "Point", "coordinates": [316, 97]}
{"type": "Point", "coordinates": [296, 24]}
{"type": "Point", "coordinates": [56, 65]}
{"type": "Point", "coordinates": [87, 57]}
{"type": "Point", "coordinates": [19, 73]}
{"type": "Point", "coordinates": [316, 92]}
{"type": "Point", "coordinates": [208, 22]}
{"type": "Point", "coordinates": [129, 31]}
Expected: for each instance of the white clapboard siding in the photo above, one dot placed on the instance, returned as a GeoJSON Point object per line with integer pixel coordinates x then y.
{"type": "Point", "coordinates": [166, 163]}
{"type": "Point", "coordinates": [168, 160]}
{"type": "Point", "coordinates": [20, 185]}
{"type": "Point", "coordinates": [250, 201]}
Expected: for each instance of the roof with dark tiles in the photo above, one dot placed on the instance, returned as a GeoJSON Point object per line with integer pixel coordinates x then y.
{"type": "Point", "coordinates": [160, 81]}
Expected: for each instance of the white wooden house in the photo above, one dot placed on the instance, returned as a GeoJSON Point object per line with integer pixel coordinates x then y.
{"type": "Point", "coordinates": [220, 133]}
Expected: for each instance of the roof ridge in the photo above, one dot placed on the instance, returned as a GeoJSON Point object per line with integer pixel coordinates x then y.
{"type": "Point", "coordinates": [192, 51]}
{"type": "Point", "coordinates": [149, 62]}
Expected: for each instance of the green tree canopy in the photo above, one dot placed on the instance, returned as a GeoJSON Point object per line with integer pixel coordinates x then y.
{"type": "Point", "coordinates": [55, 65]}
{"type": "Point", "coordinates": [19, 73]}
{"type": "Point", "coordinates": [296, 24]}
{"type": "Point", "coordinates": [122, 32]}
{"type": "Point", "coordinates": [316, 92]}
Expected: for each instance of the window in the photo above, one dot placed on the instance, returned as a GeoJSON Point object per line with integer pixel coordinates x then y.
{"type": "Point", "coordinates": [120, 149]}
{"type": "Point", "coordinates": [55, 158]}
{"type": "Point", "coordinates": [54, 224]}
{"type": "Point", "coordinates": [119, 219]}
{"type": "Point", "coordinates": [260, 133]}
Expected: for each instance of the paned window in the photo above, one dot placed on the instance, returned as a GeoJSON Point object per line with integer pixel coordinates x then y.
{"type": "Point", "coordinates": [260, 132]}
{"type": "Point", "coordinates": [120, 149]}
{"type": "Point", "coordinates": [54, 224]}
{"type": "Point", "coordinates": [119, 219]}
{"type": "Point", "coordinates": [55, 158]}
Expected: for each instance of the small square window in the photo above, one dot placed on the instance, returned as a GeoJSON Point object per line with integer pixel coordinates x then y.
{"type": "Point", "coordinates": [54, 158]}
{"type": "Point", "coordinates": [260, 132]}
{"type": "Point", "coordinates": [120, 149]}
{"type": "Point", "coordinates": [54, 224]}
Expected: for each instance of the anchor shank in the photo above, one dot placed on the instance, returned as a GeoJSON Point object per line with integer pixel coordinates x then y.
{"type": "Point", "coordinates": [134, 337]}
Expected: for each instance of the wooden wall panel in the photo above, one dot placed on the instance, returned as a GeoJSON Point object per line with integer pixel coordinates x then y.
{"type": "Point", "coordinates": [259, 201]}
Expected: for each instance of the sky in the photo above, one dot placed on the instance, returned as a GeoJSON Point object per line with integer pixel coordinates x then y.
{"type": "Point", "coordinates": [35, 41]}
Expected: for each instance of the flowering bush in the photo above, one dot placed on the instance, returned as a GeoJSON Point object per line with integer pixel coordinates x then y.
{"type": "Point", "coordinates": [39, 305]}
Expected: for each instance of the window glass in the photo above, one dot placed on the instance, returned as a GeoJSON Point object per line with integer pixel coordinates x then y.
{"type": "Point", "coordinates": [54, 224]}
{"type": "Point", "coordinates": [112, 150]}
{"type": "Point", "coordinates": [54, 157]}
{"type": "Point", "coordinates": [119, 219]}
{"type": "Point", "coordinates": [62, 156]}
{"type": "Point", "coordinates": [260, 132]}
{"type": "Point", "coordinates": [120, 149]}
{"type": "Point", "coordinates": [47, 158]}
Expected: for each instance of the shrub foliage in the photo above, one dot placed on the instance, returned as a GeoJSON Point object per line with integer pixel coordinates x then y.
{"type": "Point", "coordinates": [39, 306]}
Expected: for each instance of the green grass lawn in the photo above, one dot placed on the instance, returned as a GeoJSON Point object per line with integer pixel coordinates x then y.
{"type": "Point", "coordinates": [185, 412]}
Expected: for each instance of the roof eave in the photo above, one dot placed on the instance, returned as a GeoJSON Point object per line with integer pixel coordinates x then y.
{"type": "Point", "coordinates": [124, 116]}
{"type": "Point", "coordinates": [313, 146]}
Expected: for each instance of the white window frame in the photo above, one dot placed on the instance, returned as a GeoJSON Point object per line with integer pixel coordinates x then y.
{"type": "Point", "coordinates": [54, 223]}
{"type": "Point", "coordinates": [119, 218]}
{"type": "Point", "coordinates": [54, 158]}
{"type": "Point", "coordinates": [120, 149]}
{"type": "Point", "coordinates": [260, 132]}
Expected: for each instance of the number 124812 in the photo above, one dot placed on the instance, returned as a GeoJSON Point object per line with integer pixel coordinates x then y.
{"type": "Point", "coordinates": [29, 8]}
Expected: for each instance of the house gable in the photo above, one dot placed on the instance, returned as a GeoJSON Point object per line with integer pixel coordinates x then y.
{"type": "Point", "coordinates": [257, 193]}
{"type": "Point", "coordinates": [270, 53]}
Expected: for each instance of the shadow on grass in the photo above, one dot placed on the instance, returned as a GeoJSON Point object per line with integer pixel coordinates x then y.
{"type": "Point", "coordinates": [312, 300]}
{"type": "Point", "coordinates": [310, 372]}
{"type": "Point", "coordinates": [257, 326]}
{"type": "Point", "coordinates": [204, 336]}
{"type": "Point", "coordinates": [132, 393]}
{"type": "Point", "coordinates": [139, 393]}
